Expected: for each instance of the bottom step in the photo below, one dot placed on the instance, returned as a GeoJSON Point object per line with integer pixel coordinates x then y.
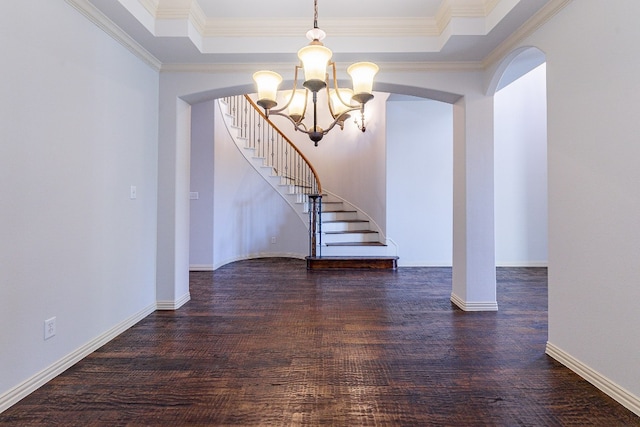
{"type": "Point", "coordinates": [377, 263]}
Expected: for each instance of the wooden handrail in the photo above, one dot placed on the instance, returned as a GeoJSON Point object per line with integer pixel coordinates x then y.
{"type": "Point", "coordinates": [300, 153]}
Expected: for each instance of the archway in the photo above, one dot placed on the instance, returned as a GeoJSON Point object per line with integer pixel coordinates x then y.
{"type": "Point", "coordinates": [473, 261]}
{"type": "Point", "coordinates": [520, 161]}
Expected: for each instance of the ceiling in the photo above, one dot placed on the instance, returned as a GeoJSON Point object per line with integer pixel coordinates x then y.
{"type": "Point", "coordinates": [187, 32]}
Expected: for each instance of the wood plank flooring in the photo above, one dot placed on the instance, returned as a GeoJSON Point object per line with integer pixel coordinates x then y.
{"type": "Point", "coordinates": [267, 343]}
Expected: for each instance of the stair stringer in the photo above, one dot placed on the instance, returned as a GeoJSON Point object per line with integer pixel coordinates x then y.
{"type": "Point", "coordinates": [297, 201]}
{"type": "Point", "coordinates": [390, 248]}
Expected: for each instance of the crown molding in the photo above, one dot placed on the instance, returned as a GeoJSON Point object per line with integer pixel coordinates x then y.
{"type": "Point", "coordinates": [489, 5]}
{"type": "Point", "coordinates": [384, 26]}
{"type": "Point", "coordinates": [198, 18]}
{"type": "Point", "coordinates": [171, 13]}
{"type": "Point", "coordinates": [152, 6]}
{"type": "Point", "coordinates": [449, 11]}
{"type": "Point", "coordinates": [547, 12]}
{"type": "Point", "coordinates": [393, 67]}
{"type": "Point", "coordinates": [435, 26]}
{"type": "Point", "coordinates": [426, 66]}
{"type": "Point", "coordinates": [360, 27]}
{"type": "Point", "coordinates": [105, 24]}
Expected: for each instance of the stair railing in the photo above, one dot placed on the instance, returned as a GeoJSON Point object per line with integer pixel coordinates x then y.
{"type": "Point", "coordinates": [287, 161]}
{"type": "Point", "coordinates": [280, 153]}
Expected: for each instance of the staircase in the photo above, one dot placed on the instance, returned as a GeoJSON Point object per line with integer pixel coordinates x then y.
{"type": "Point", "coordinates": [348, 240]}
{"type": "Point", "coordinates": [346, 237]}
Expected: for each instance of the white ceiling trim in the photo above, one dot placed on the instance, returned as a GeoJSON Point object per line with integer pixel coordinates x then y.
{"type": "Point", "coordinates": [547, 12]}
{"type": "Point", "coordinates": [468, 16]}
{"type": "Point", "coordinates": [287, 68]}
{"type": "Point", "coordinates": [360, 27]}
{"type": "Point", "coordinates": [105, 24]}
{"type": "Point", "coordinates": [151, 5]}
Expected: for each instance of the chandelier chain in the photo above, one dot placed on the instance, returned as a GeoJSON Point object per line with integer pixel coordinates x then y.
{"type": "Point", "coordinates": [315, 13]}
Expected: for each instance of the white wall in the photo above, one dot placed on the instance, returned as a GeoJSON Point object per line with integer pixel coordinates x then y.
{"type": "Point", "coordinates": [520, 149]}
{"type": "Point", "coordinates": [78, 120]}
{"type": "Point", "coordinates": [247, 210]}
{"type": "Point", "coordinates": [594, 203]}
{"type": "Point", "coordinates": [420, 180]}
{"type": "Point", "coordinates": [201, 212]}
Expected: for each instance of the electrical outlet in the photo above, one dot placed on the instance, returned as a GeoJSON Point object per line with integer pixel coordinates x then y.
{"type": "Point", "coordinates": [273, 240]}
{"type": "Point", "coordinates": [133, 192]}
{"type": "Point", "coordinates": [49, 328]}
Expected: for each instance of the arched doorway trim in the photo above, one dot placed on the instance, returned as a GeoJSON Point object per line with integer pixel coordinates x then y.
{"type": "Point", "coordinates": [515, 65]}
{"type": "Point", "coordinates": [474, 281]}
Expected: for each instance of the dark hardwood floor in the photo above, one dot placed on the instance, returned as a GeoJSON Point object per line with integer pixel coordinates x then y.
{"type": "Point", "coordinates": [268, 343]}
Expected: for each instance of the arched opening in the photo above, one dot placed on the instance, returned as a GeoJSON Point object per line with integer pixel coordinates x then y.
{"type": "Point", "coordinates": [473, 281]}
{"type": "Point", "coordinates": [520, 158]}
{"type": "Point", "coordinates": [430, 128]}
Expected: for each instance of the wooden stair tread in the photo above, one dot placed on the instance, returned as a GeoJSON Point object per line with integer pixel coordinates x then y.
{"type": "Point", "coordinates": [352, 262]}
{"type": "Point", "coordinates": [350, 232]}
{"type": "Point", "coordinates": [344, 220]}
{"type": "Point", "coordinates": [355, 244]}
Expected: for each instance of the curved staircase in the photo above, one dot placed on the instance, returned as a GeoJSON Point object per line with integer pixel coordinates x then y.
{"type": "Point", "coordinates": [345, 236]}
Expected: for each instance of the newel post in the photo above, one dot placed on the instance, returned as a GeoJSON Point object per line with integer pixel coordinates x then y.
{"type": "Point", "coordinates": [315, 225]}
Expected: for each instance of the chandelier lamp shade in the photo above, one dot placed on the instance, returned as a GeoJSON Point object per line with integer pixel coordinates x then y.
{"type": "Point", "coordinates": [316, 65]}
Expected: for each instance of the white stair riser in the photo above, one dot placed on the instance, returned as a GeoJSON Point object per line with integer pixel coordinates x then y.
{"type": "Point", "coordinates": [356, 251]}
{"type": "Point", "coordinates": [295, 190]}
{"type": "Point", "coordinates": [338, 216]}
{"type": "Point", "coordinates": [330, 207]}
{"type": "Point", "coordinates": [345, 226]}
{"type": "Point", "coordinates": [349, 237]}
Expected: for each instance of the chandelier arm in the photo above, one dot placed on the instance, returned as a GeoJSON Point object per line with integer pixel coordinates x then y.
{"type": "Point", "coordinates": [343, 115]}
{"type": "Point", "coordinates": [333, 115]}
{"type": "Point", "coordinates": [297, 125]}
{"type": "Point", "coordinates": [332, 64]}
{"type": "Point", "coordinates": [303, 128]}
{"type": "Point", "coordinates": [293, 92]}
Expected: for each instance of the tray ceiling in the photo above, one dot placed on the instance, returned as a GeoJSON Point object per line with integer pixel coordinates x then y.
{"type": "Point", "coordinates": [256, 31]}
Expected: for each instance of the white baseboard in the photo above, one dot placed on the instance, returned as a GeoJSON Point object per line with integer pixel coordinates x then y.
{"type": "Point", "coordinates": [522, 264]}
{"type": "Point", "coordinates": [174, 305]}
{"type": "Point", "coordinates": [423, 264]}
{"type": "Point", "coordinates": [201, 267]}
{"type": "Point", "coordinates": [25, 388]}
{"type": "Point", "coordinates": [613, 390]}
{"type": "Point", "coordinates": [474, 305]}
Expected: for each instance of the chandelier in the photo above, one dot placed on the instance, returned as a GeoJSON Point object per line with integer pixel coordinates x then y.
{"type": "Point", "coordinates": [315, 59]}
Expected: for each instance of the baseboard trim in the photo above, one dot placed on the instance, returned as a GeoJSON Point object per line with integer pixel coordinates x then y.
{"type": "Point", "coordinates": [201, 267]}
{"type": "Point", "coordinates": [613, 390]}
{"type": "Point", "coordinates": [27, 387]}
{"type": "Point", "coordinates": [474, 305]}
{"type": "Point", "coordinates": [175, 304]}
{"type": "Point", "coordinates": [423, 265]}
{"type": "Point", "coordinates": [522, 264]}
